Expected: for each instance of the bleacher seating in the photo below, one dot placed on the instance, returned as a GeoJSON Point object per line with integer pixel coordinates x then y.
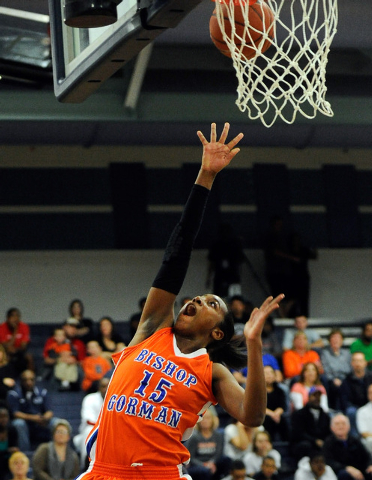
{"type": "Point", "coordinates": [68, 404]}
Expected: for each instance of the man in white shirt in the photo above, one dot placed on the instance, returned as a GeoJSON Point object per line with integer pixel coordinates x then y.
{"type": "Point", "coordinates": [90, 408]}
{"type": "Point", "coordinates": [364, 421]}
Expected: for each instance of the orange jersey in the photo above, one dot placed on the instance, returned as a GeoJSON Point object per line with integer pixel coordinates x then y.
{"type": "Point", "coordinates": [155, 397]}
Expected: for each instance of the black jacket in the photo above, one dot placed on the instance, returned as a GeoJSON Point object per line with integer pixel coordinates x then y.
{"type": "Point", "coordinates": [305, 427]}
{"type": "Point", "coordinates": [340, 455]}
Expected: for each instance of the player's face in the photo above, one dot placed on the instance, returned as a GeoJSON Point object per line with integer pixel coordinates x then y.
{"type": "Point", "coordinates": [201, 314]}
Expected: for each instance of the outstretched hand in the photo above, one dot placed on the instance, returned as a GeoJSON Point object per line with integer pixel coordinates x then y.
{"type": "Point", "coordinates": [216, 154]}
{"type": "Point", "coordinates": [253, 328]}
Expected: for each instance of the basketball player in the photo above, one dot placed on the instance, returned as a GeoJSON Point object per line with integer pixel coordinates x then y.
{"type": "Point", "coordinates": [172, 370]}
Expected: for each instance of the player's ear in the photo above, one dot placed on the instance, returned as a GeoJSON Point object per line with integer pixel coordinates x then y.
{"type": "Point", "coordinates": [217, 334]}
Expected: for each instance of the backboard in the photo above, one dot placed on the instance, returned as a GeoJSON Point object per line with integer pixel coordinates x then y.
{"type": "Point", "coordinates": [83, 58]}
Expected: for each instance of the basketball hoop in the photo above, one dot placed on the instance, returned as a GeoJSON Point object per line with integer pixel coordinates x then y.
{"type": "Point", "coordinates": [290, 76]}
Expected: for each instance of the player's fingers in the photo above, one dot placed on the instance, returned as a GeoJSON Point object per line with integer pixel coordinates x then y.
{"type": "Point", "coordinates": [224, 133]}
{"type": "Point", "coordinates": [233, 152]}
{"type": "Point", "coordinates": [202, 138]}
{"type": "Point", "coordinates": [279, 298]}
{"type": "Point", "coordinates": [266, 302]}
{"type": "Point", "coordinates": [213, 133]}
{"type": "Point", "coordinates": [235, 141]}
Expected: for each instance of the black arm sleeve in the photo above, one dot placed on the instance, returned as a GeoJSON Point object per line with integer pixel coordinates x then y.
{"type": "Point", "coordinates": [178, 251]}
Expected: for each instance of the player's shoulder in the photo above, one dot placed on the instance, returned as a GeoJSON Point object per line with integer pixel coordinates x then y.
{"type": "Point", "coordinates": [220, 372]}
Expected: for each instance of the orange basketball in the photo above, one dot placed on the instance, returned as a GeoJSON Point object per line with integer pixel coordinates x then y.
{"type": "Point", "coordinates": [260, 17]}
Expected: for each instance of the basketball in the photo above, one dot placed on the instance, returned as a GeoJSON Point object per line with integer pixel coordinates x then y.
{"type": "Point", "coordinates": [260, 18]}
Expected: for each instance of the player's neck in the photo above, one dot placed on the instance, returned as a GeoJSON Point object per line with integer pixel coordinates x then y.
{"type": "Point", "coordinates": [188, 344]}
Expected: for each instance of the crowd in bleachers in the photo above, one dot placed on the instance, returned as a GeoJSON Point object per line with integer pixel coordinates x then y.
{"type": "Point", "coordinates": [53, 378]}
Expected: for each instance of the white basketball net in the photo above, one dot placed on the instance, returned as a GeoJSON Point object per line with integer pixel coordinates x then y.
{"type": "Point", "coordinates": [290, 77]}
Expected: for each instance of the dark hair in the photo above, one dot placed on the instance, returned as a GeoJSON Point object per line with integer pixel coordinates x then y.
{"type": "Point", "coordinates": [109, 319]}
{"type": "Point", "coordinates": [239, 298]}
{"type": "Point", "coordinates": [269, 457]}
{"type": "Point", "coordinates": [316, 454]}
{"type": "Point", "coordinates": [237, 465]}
{"type": "Point", "coordinates": [76, 300]}
{"type": "Point", "coordinates": [368, 322]}
{"type": "Point", "coordinates": [11, 311]}
{"type": "Point", "coordinates": [229, 350]}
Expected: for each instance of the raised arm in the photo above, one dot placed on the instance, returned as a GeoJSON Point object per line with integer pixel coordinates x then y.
{"type": "Point", "coordinates": [158, 311]}
{"type": "Point", "coordinates": [247, 405]}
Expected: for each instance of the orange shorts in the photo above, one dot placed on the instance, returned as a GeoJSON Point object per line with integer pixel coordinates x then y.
{"type": "Point", "coordinates": [101, 471]}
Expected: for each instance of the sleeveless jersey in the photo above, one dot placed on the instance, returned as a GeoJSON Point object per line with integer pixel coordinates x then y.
{"type": "Point", "coordinates": [155, 397]}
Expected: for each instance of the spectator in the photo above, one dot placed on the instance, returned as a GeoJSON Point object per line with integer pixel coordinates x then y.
{"type": "Point", "coordinates": [8, 442]}
{"type": "Point", "coordinates": [300, 325]}
{"type": "Point", "coordinates": [70, 329]}
{"type": "Point", "coordinates": [238, 309]}
{"type": "Point", "coordinates": [262, 447]}
{"type": "Point", "coordinates": [295, 359]}
{"type": "Point", "coordinates": [309, 379]}
{"type": "Point", "coordinates": [19, 465]}
{"type": "Point", "coordinates": [31, 412]}
{"type": "Point", "coordinates": [314, 467]}
{"type": "Point", "coordinates": [275, 422]}
{"type": "Point", "coordinates": [364, 421]}
{"type": "Point", "coordinates": [346, 454]}
{"type": "Point", "coordinates": [268, 361]}
{"type": "Point", "coordinates": [60, 361]}
{"type": "Point", "coordinates": [135, 318]}
{"type": "Point", "coordinates": [15, 336]}
{"type": "Point", "coordinates": [7, 374]}
{"type": "Point", "coordinates": [238, 440]}
{"type": "Point", "coordinates": [90, 408]}
{"type": "Point", "coordinates": [85, 327]}
{"type": "Point", "coordinates": [206, 449]}
{"type": "Point", "coordinates": [364, 344]}
{"type": "Point", "coordinates": [94, 367]}
{"type": "Point", "coordinates": [56, 460]}
{"type": "Point", "coordinates": [225, 257]}
{"type": "Point", "coordinates": [310, 426]}
{"type": "Point", "coordinates": [300, 271]}
{"type": "Point", "coordinates": [108, 339]}
{"type": "Point", "coordinates": [353, 390]}
{"type": "Point", "coordinates": [268, 470]}
{"type": "Point", "coordinates": [336, 362]}
{"type": "Point", "coordinates": [237, 471]}
{"type": "Point", "coordinates": [270, 341]}
{"type": "Point", "coordinates": [279, 260]}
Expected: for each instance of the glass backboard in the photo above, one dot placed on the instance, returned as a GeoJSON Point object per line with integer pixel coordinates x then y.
{"type": "Point", "coordinates": [83, 58]}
